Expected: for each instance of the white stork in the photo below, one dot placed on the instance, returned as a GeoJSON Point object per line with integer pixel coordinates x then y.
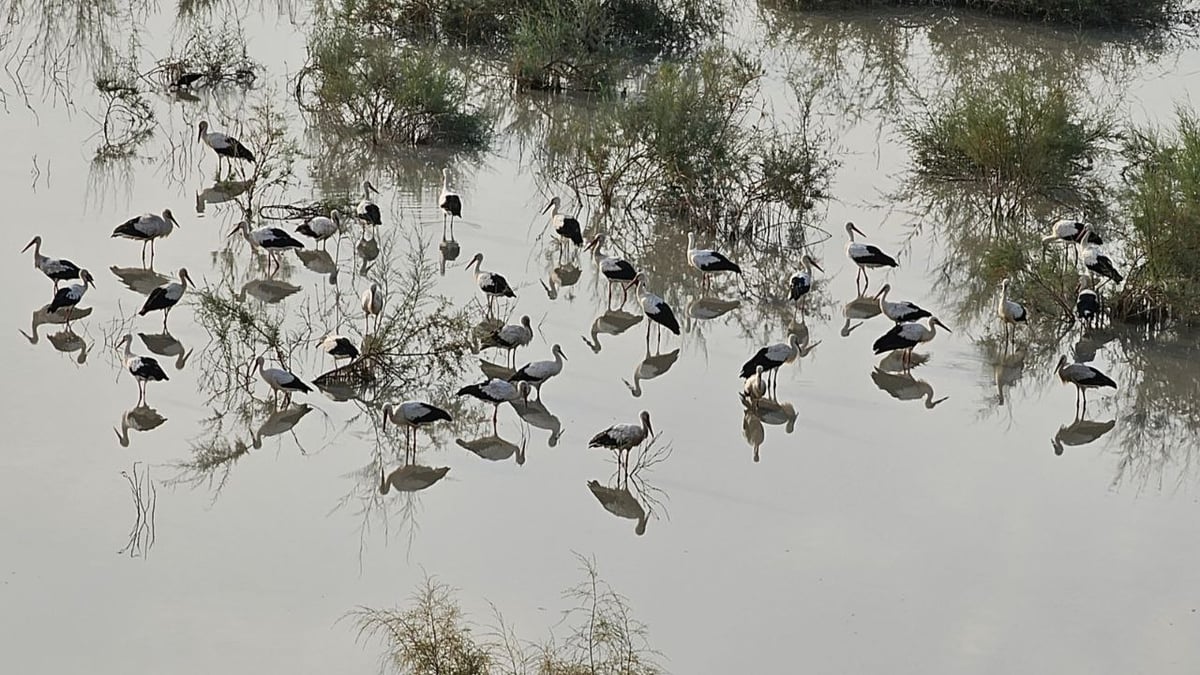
{"type": "Point", "coordinates": [621, 438]}
{"type": "Point", "coordinates": [492, 391]}
{"type": "Point", "coordinates": [270, 239]}
{"type": "Point", "coordinates": [146, 228]}
{"type": "Point", "coordinates": [411, 478]}
{"type": "Point", "coordinates": [1010, 312]}
{"type": "Point", "coordinates": [513, 336]}
{"type": "Point", "coordinates": [338, 346]}
{"type": "Point", "coordinates": [71, 296]}
{"type": "Point", "coordinates": [802, 282]}
{"type": "Point", "coordinates": [755, 386]}
{"type": "Point", "coordinates": [655, 308]}
{"type": "Point", "coordinates": [143, 368]}
{"type": "Point", "coordinates": [224, 145]}
{"type": "Point", "coordinates": [412, 415]}
{"type": "Point", "coordinates": [493, 285]}
{"type": "Point", "coordinates": [321, 228]}
{"type": "Point", "coordinates": [615, 270]}
{"type": "Point", "coordinates": [565, 226]}
{"type": "Point", "coordinates": [372, 305]}
{"type": "Point", "coordinates": [57, 269]}
{"type": "Point", "coordinates": [537, 373]}
{"type": "Point", "coordinates": [367, 210]}
{"type": "Point", "coordinates": [165, 297]}
{"type": "Point", "coordinates": [280, 380]}
{"type": "Point", "coordinates": [1098, 263]}
{"type": "Point", "coordinates": [1084, 377]}
{"type": "Point", "coordinates": [866, 256]}
{"type": "Point", "coordinates": [906, 336]}
{"type": "Point", "coordinates": [1072, 232]}
{"type": "Point", "coordinates": [772, 357]}
{"type": "Point", "coordinates": [449, 202]}
{"type": "Point", "coordinates": [1087, 302]}
{"type": "Point", "coordinates": [899, 311]}
{"type": "Point", "coordinates": [708, 261]}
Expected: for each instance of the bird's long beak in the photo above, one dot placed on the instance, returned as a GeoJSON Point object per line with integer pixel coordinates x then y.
{"type": "Point", "coordinates": [591, 245]}
{"type": "Point", "coordinates": [175, 222]}
{"type": "Point", "coordinates": [199, 133]}
{"type": "Point", "coordinates": [547, 207]}
{"type": "Point", "coordinates": [235, 231]}
{"type": "Point", "coordinates": [29, 245]}
{"type": "Point", "coordinates": [944, 327]}
{"type": "Point", "coordinates": [857, 231]}
{"type": "Point", "coordinates": [650, 427]}
{"type": "Point", "coordinates": [817, 265]}
{"type": "Point", "coordinates": [877, 294]}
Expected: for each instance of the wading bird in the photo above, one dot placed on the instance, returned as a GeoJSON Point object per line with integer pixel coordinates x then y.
{"type": "Point", "coordinates": [621, 438]}
{"type": "Point", "coordinates": [449, 202]}
{"type": "Point", "coordinates": [492, 391]}
{"type": "Point", "coordinates": [1098, 263]}
{"type": "Point", "coordinates": [372, 305]}
{"type": "Point", "coordinates": [224, 145]}
{"type": "Point", "coordinates": [512, 337]}
{"type": "Point", "coordinates": [57, 269]}
{"type": "Point", "coordinates": [1072, 232]}
{"type": "Point", "coordinates": [143, 368]}
{"type": "Point", "coordinates": [1010, 312]}
{"type": "Point", "coordinates": [771, 358]}
{"type": "Point", "coordinates": [708, 261]}
{"type": "Point", "coordinates": [67, 298]}
{"type": "Point", "coordinates": [321, 228]}
{"type": "Point", "coordinates": [655, 308]}
{"type": "Point", "coordinates": [755, 386]}
{"type": "Point", "coordinates": [338, 346]}
{"type": "Point", "coordinates": [866, 256]}
{"type": "Point", "coordinates": [906, 336]}
{"type": "Point", "coordinates": [1087, 302]}
{"type": "Point", "coordinates": [1084, 378]}
{"type": "Point", "coordinates": [493, 285]}
{"type": "Point", "coordinates": [616, 270]}
{"type": "Point", "coordinates": [280, 380]}
{"type": "Point", "coordinates": [165, 297]}
{"type": "Point", "coordinates": [899, 311]}
{"type": "Point", "coordinates": [270, 239]}
{"type": "Point", "coordinates": [802, 282]}
{"type": "Point", "coordinates": [412, 415]}
{"type": "Point", "coordinates": [537, 373]}
{"type": "Point", "coordinates": [146, 228]}
{"type": "Point", "coordinates": [367, 210]}
{"type": "Point", "coordinates": [566, 227]}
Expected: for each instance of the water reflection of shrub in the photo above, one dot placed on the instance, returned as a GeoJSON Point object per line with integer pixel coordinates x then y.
{"type": "Point", "coordinates": [1162, 197]}
{"type": "Point", "coordinates": [1121, 14]}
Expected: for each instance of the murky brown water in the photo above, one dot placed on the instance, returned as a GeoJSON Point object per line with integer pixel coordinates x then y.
{"type": "Point", "coordinates": [874, 533]}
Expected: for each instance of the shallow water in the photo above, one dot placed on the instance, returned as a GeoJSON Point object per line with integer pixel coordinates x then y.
{"type": "Point", "coordinates": [875, 534]}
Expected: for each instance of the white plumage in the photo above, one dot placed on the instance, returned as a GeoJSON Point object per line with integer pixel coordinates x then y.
{"type": "Point", "coordinates": [538, 372]}
{"type": "Point", "coordinates": [366, 210]}
{"type": "Point", "coordinates": [492, 284]}
{"type": "Point", "coordinates": [514, 336]}
{"type": "Point", "coordinates": [802, 282]}
{"type": "Point", "coordinates": [165, 297]}
{"type": "Point", "coordinates": [623, 437]}
{"type": "Point", "coordinates": [906, 336]}
{"type": "Point", "coordinates": [270, 239]}
{"type": "Point", "coordinates": [57, 269]}
{"type": "Point", "coordinates": [655, 308]}
{"type": "Point", "coordinates": [565, 226]}
{"type": "Point", "coordinates": [900, 310]}
{"type": "Point", "coordinates": [1010, 312]}
{"type": "Point", "coordinates": [492, 391]}
{"type": "Point", "coordinates": [771, 357]}
{"type": "Point", "coordinates": [865, 256]}
{"type": "Point", "coordinates": [707, 260]}
{"type": "Point", "coordinates": [70, 296]}
{"type": "Point", "coordinates": [1099, 263]}
{"type": "Point", "coordinates": [755, 386]}
{"type": "Point", "coordinates": [321, 228]}
{"type": "Point", "coordinates": [280, 379]}
{"type": "Point", "coordinates": [224, 145]}
{"type": "Point", "coordinates": [372, 305]}
{"type": "Point", "coordinates": [1071, 231]}
{"type": "Point", "coordinates": [614, 269]}
{"type": "Point", "coordinates": [1084, 377]}
{"type": "Point", "coordinates": [338, 346]}
{"type": "Point", "coordinates": [143, 368]}
{"type": "Point", "coordinates": [412, 415]}
{"type": "Point", "coordinates": [449, 202]}
{"type": "Point", "coordinates": [146, 228]}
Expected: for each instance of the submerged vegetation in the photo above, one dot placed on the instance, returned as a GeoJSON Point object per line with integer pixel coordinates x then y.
{"type": "Point", "coordinates": [432, 635]}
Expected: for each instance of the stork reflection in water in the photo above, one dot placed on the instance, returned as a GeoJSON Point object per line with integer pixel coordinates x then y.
{"type": "Point", "coordinates": [536, 415]}
{"type": "Point", "coordinates": [612, 322]}
{"type": "Point", "coordinates": [42, 316]}
{"type": "Point", "coordinates": [139, 418]}
{"type": "Point", "coordinates": [859, 309]}
{"type": "Point", "coordinates": [279, 422]}
{"type": "Point", "coordinates": [410, 478]}
{"type": "Point", "coordinates": [493, 448]}
{"type": "Point", "coordinates": [1079, 432]}
{"type": "Point", "coordinates": [165, 344]}
{"type": "Point", "coordinates": [650, 367]}
{"type": "Point", "coordinates": [765, 411]}
{"type": "Point", "coordinates": [905, 387]}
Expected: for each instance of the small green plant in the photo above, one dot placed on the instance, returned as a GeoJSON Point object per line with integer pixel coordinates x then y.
{"type": "Point", "coordinates": [1162, 199]}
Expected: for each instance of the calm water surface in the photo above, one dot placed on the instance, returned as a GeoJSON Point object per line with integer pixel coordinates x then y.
{"type": "Point", "coordinates": [875, 535]}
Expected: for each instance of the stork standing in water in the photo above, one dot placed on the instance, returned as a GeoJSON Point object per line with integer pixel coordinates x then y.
{"type": "Point", "coordinates": [802, 282]}
{"type": "Point", "coordinates": [146, 228]}
{"type": "Point", "coordinates": [321, 228]}
{"type": "Point", "coordinates": [338, 346]}
{"type": "Point", "coordinates": [866, 256]}
{"type": "Point", "coordinates": [165, 297]}
{"type": "Point", "coordinates": [70, 296]}
{"type": "Point", "coordinates": [537, 373]}
{"type": "Point", "coordinates": [615, 270]}
{"type": "Point", "coordinates": [1010, 312]}
{"type": "Point", "coordinates": [771, 357]}
{"type": "Point", "coordinates": [899, 311]}
{"type": "Point", "coordinates": [143, 368]}
{"type": "Point", "coordinates": [655, 308]}
{"type": "Point", "coordinates": [493, 285]}
{"type": "Point", "coordinates": [367, 210]}
{"type": "Point", "coordinates": [270, 239]}
{"type": "Point", "coordinates": [492, 391]}
{"type": "Point", "coordinates": [1087, 302]}
{"type": "Point", "coordinates": [565, 226]}
{"type": "Point", "coordinates": [449, 202]}
{"type": "Point", "coordinates": [1083, 377]}
{"type": "Point", "coordinates": [755, 386]}
{"type": "Point", "coordinates": [57, 269]}
{"type": "Point", "coordinates": [281, 380]}
{"type": "Point", "coordinates": [513, 336]}
{"type": "Point", "coordinates": [906, 336]}
{"type": "Point", "coordinates": [1098, 263]}
{"type": "Point", "coordinates": [1072, 232]}
{"type": "Point", "coordinates": [708, 261]}
{"type": "Point", "coordinates": [621, 438]}
{"type": "Point", "coordinates": [412, 415]}
{"type": "Point", "coordinates": [226, 146]}
{"type": "Point", "coordinates": [372, 304]}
